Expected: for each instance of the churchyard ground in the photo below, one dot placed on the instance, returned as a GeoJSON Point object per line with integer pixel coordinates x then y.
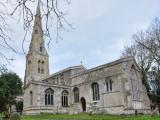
{"type": "Point", "coordinates": [84, 116]}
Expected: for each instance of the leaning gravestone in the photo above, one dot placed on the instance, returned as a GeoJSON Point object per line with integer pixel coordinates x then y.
{"type": "Point", "coordinates": [15, 116]}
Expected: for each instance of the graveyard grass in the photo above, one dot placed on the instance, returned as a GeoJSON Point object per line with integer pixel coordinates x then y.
{"type": "Point", "coordinates": [85, 116]}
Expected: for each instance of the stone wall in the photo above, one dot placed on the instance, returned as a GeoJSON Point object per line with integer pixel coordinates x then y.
{"type": "Point", "coordinates": [127, 93]}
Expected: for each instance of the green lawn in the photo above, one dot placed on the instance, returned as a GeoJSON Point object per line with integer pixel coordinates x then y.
{"type": "Point", "coordinates": [88, 117]}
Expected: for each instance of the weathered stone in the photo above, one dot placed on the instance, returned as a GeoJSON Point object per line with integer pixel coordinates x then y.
{"type": "Point", "coordinates": [120, 86]}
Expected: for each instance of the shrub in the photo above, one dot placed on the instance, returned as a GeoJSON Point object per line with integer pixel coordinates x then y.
{"type": "Point", "coordinates": [19, 106]}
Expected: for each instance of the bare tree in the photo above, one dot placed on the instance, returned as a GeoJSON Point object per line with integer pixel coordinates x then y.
{"type": "Point", "coordinates": [152, 43]}
{"type": "Point", "coordinates": [146, 50]}
{"type": "Point", "coordinates": [141, 55]}
{"type": "Point", "coordinates": [52, 16]}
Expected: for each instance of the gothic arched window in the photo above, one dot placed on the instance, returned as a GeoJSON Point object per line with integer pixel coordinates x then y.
{"type": "Point", "coordinates": [76, 95]}
{"type": "Point", "coordinates": [65, 98]}
{"type": "Point", "coordinates": [135, 83]}
{"type": "Point", "coordinates": [95, 90]}
{"type": "Point", "coordinates": [109, 84]}
{"type": "Point", "coordinates": [49, 96]}
{"type": "Point", "coordinates": [133, 72]}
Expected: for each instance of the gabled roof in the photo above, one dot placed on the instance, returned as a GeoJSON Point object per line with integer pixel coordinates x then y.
{"type": "Point", "coordinates": [66, 69]}
{"type": "Point", "coordinates": [107, 65]}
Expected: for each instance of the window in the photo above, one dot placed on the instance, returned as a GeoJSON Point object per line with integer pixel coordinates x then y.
{"type": "Point", "coordinates": [36, 31]}
{"type": "Point", "coordinates": [29, 62]}
{"type": "Point", "coordinates": [109, 84]}
{"type": "Point", "coordinates": [95, 90]}
{"type": "Point", "coordinates": [39, 62]}
{"type": "Point", "coordinates": [41, 49]}
{"type": "Point", "coordinates": [62, 79]}
{"type": "Point", "coordinates": [76, 95]}
{"type": "Point", "coordinates": [57, 79]}
{"type": "Point", "coordinates": [42, 67]}
{"type": "Point", "coordinates": [65, 98]}
{"type": "Point", "coordinates": [49, 96]}
{"type": "Point", "coordinates": [29, 66]}
{"type": "Point", "coordinates": [38, 70]}
{"type": "Point", "coordinates": [31, 98]}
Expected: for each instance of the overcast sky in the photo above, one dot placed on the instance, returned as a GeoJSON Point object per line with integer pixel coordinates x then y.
{"type": "Point", "coordinates": [102, 29]}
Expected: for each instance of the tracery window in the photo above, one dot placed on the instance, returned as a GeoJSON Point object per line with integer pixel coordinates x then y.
{"type": "Point", "coordinates": [135, 83]}
{"type": "Point", "coordinates": [76, 95]}
{"type": "Point", "coordinates": [109, 85]}
{"type": "Point", "coordinates": [49, 94]}
{"type": "Point", "coordinates": [95, 90]}
{"type": "Point", "coordinates": [65, 98]}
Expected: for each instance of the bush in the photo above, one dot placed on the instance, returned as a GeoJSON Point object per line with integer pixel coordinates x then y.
{"type": "Point", "coordinates": [19, 106]}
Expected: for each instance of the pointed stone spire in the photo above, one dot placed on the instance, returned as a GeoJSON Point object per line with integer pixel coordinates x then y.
{"type": "Point", "coordinates": [37, 42]}
{"type": "Point", "coordinates": [38, 12]}
{"type": "Point", "coordinates": [38, 22]}
{"type": "Point", "coordinates": [37, 59]}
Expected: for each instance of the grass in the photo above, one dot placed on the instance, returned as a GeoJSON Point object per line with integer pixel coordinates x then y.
{"type": "Point", "coordinates": [87, 117]}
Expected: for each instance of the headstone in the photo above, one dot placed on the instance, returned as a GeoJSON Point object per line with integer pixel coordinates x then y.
{"type": "Point", "coordinates": [15, 116]}
{"type": "Point", "coordinates": [155, 111]}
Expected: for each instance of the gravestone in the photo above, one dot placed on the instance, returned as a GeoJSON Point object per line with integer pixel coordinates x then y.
{"type": "Point", "coordinates": [15, 116]}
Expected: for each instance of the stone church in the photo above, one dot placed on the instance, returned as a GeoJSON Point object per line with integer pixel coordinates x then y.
{"type": "Point", "coordinates": [113, 88]}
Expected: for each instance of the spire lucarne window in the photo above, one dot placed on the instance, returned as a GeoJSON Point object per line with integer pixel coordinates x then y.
{"type": "Point", "coordinates": [36, 31]}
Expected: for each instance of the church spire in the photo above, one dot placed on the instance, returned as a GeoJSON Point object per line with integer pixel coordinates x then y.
{"type": "Point", "coordinates": [37, 42]}
{"type": "Point", "coordinates": [38, 12]}
{"type": "Point", "coordinates": [37, 59]}
{"type": "Point", "coordinates": [38, 17]}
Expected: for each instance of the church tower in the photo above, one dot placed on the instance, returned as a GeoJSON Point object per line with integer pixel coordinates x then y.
{"type": "Point", "coordinates": [37, 63]}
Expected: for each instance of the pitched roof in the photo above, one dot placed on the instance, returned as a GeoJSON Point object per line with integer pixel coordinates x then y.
{"type": "Point", "coordinates": [106, 65]}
